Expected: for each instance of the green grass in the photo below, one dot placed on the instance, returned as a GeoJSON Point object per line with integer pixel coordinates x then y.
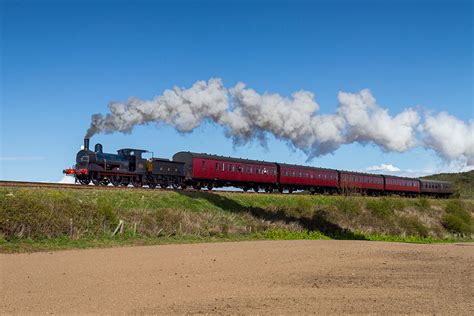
{"type": "Point", "coordinates": [43, 219]}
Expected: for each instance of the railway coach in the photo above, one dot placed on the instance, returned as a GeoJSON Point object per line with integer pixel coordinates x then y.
{"type": "Point", "coordinates": [436, 188]}
{"type": "Point", "coordinates": [401, 185]}
{"type": "Point", "coordinates": [350, 182]}
{"type": "Point", "coordinates": [315, 180]}
{"type": "Point", "coordinates": [212, 171]}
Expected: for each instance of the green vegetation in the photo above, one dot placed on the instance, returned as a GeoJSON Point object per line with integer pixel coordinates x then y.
{"type": "Point", "coordinates": [463, 182]}
{"type": "Point", "coordinates": [42, 219]}
{"type": "Point", "coordinates": [457, 219]}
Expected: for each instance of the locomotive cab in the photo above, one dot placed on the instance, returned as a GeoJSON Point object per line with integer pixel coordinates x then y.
{"type": "Point", "coordinates": [135, 158]}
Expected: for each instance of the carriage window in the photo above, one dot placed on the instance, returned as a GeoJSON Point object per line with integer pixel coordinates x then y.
{"type": "Point", "coordinates": [203, 165]}
{"type": "Point", "coordinates": [239, 168]}
{"type": "Point", "coordinates": [217, 166]}
{"type": "Point", "coordinates": [233, 167]}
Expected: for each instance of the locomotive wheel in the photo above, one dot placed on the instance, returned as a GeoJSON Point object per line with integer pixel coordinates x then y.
{"type": "Point", "coordinates": [125, 182]}
{"type": "Point", "coordinates": [84, 181]}
{"type": "Point", "coordinates": [152, 184]}
{"type": "Point", "coordinates": [164, 185]}
{"type": "Point", "coordinates": [136, 182]}
{"type": "Point", "coordinates": [96, 180]}
{"type": "Point", "coordinates": [116, 180]}
{"type": "Point", "coordinates": [175, 186]}
{"type": "Point", "coordinates": [104, 182]}
{"type": "Point", "coordinates": [197, 187]}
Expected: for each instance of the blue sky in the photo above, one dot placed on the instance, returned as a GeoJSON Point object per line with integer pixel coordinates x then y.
{"type": "Point", "coordinates": [63, 61]}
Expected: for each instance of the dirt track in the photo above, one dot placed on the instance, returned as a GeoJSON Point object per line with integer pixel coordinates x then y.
{"type": "Point", "coordinates": [245, 277]}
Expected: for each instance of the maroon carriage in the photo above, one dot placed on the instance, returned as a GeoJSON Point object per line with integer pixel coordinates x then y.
{"type": "Point", "coordinates": [203, 170]}
{"type": "Point", "coordinates": [360, 182]}
{"type": "Point", "coordinates": [295, 177]}
{"type": "Point", "coordinates": [401, 185]}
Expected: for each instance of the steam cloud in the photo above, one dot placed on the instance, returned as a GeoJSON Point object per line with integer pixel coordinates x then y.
{"type": "Point", "coordinates": [247, 115]}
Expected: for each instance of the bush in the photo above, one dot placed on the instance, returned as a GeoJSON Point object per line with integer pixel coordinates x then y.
{"type": "Point", "coordinates": [348, 205]}
{"type": "Point", "coordinates": [413, 227]}
{"type": "Point", "coordinates": [423, 203]}
{"type": "Point", "coordinates": [380, 207]}
{"type": "Point", "coordinates": [457, 219]}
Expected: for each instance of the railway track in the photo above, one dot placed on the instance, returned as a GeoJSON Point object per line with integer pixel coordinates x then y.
{"type": "Point", "coordinates": [52, 185]}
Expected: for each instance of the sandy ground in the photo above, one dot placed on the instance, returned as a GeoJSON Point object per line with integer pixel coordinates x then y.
{"type": "Point", "coordinates": [244, 277]}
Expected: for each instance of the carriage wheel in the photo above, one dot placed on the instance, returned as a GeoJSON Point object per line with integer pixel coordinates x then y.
{"type": "Point", "coordinates": [256, 189]}
{"type": "Point", "coordinates": [175, 186]}
{"type": "Point", "coordinates": [210, 187]}
{"type": "Point", "coordinates": [164, 185]}
{"type": "Point", "coordinates": [197, 187]}
{"type": "Point", "coordinates": [245, 189]}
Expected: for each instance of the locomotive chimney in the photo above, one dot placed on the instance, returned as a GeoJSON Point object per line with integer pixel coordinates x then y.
{"type": "Point", "coordinates": [86, 143]}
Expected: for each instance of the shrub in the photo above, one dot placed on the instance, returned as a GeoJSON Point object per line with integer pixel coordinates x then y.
{"type": "Point", "coordinates": [412, 226]}
{"type": "Point", "coordinates": [423, 203]}
{"type": "Point", "coordinates": [348, 205]}
{"type": "Point", "coordinates": [457, 219]}
{"type": "Point", "coordinates": [380, 207]}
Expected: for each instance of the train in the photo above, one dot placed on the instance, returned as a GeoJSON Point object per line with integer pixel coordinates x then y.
{"type": "Point", "coordinates": [199, 170]}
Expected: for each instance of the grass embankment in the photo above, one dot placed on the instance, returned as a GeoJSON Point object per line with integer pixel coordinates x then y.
{"type": "Point", "coordinates": [43, 219]}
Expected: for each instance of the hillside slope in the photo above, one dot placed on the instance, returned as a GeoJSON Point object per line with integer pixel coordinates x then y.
{"type": "Point", "coordinates": [463, 182]}
{"type": "Point", "coordinates": [51, 218]}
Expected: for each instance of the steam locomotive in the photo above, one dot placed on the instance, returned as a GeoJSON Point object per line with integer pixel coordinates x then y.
{"type": "Point", "coordinates": [126, 167]}
{"type": "Point", "coordinates": [199, 171]}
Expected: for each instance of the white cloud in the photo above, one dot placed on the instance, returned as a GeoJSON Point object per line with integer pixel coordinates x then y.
{"type": "Point", "coordinates": [383, 167]}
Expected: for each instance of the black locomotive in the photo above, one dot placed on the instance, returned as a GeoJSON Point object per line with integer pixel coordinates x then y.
{"type": "Point", "coordinates": [126, 167]}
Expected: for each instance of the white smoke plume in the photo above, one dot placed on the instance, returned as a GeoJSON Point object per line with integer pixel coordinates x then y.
{"type": "Point", "coordinates": [247, 115]}
{"type": "Point", "coordinates": [450, 137]}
